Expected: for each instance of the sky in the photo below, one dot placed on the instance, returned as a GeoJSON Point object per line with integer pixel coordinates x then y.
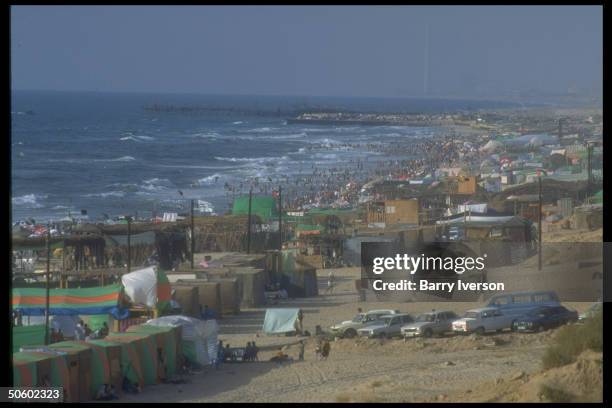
{"type": "Point", "coordinates": [386, 51]}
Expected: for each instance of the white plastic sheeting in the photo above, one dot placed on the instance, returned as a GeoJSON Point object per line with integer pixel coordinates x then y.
{"type": "Point", "coordinates": [141, 286]}
{"type": "Point", "coordinates": [203, 333]}
{"type": "Point", "coordinates": [67, 324]}
{"type": "Point", "coordinates": [475, 208]}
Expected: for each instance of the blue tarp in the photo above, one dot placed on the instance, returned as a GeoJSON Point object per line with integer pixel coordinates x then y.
{"type": "Point", "coordinates": [279, 321]}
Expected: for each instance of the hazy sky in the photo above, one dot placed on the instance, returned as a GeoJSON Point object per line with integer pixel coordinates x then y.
{"type": "Point", "coordinates": [342, 51]}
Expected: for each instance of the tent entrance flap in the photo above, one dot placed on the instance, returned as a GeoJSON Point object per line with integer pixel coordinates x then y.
{"type": "Point", "coordinates": [280, 320]}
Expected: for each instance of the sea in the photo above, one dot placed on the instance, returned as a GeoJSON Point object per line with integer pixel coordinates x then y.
{"type": "Point", "coordinates": [112, 154]}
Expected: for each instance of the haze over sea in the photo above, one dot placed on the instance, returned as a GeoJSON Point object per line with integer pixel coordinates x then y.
{"type": "Point", "coordinates": [105, 153]}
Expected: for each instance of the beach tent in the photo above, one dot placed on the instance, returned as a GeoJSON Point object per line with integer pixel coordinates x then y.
{"type": "Point", "coordinates": [80, 359]}
{"type": "Point", "coordinates": [146, 351]}
{"type": "Point", "coordinates": [31, 369]}
{"type": "Point", "coordinates": [129, 360]}
{"type": "Point", "coordinates": [168, 340]}
{"type": "Point", "coordinates": [76, 301]}
{"type": "Point", "coordinates": [99, 367]}
{"type": "Point", "coordinates": [198, 337]}
{"type": "Point", "coordinates": [112, 353]}
{"type": "Point", "coordinates": [149, 287]}
{"type": "Point", "coordinates": [278, 321]}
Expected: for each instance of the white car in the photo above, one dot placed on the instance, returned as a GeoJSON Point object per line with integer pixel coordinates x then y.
{"type": "Point", "coordinates": [483, 320]}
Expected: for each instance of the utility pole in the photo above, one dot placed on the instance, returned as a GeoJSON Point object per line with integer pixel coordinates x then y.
{"type": "Point", "coordinates": [192, 236]}
{"type": "Point", "coordinates": [47, 285]}
{"type": "Point", "coordinates": [249, 222]}
{"type": "Point", "coordinates": [129, 242]}
{"type": "Point", "coordinates": [540, 222]}
{"type": "Point", "coordinates": [280, 232]}
{"type": "Point", "coordinates": [589, 166]}
{"type": "Point", "coordinates": [280, 219]}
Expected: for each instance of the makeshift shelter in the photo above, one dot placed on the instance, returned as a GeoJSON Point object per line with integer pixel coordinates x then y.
{"type": "Point", "coordinates": [111, 352]}
{"type": "Point", "coordinates": [146, 349]}
{"type": "Point", "coordinates": [168, 341]}
{"type": "Point", "coordinates": [169, 242]}
{"type": "Point", "coordinates": [82, 301]}
{"type": "Point", "coordinates": [83, 365]}
{"type": "Point", "coordinates": [129, 359]}
{"type": "Point", "coordinates": [100, 370]}
{"type": "Point", "coordinates": [209, 293]}
{"type": "Point", "coordinates": [187, 297]}
{"type": "Point", "coordinates": [148, 287]}
{"type": "Point", "coordinates": [230, 295]}
{"type": "Point", "coordinates": [251, 286]}
{"type": "Point", "coordinates": [265, 207]}
{"type": "Point", "coordinates": [79, 251]}
{"type": "Point", "coordinates": [299, 279]}
{"type": "Point", "coordinates": [39, 369]}
{"type": "Point", "coordinates": [198, 337]}
{"type": "Point", "coordinates": [280, 321]}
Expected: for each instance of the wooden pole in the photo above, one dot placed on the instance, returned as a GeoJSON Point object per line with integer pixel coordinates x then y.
{"type": "Point", "coordinates": [280, 232]}
{"type": "Point", "coordinates": [47, 285]}
{"type": "Point", "coordinates": [129, 242]}
{"type": "Point", "coordinates": [249, 221]}
{"type": "Point", "coordinates": [280, 219]}
{"type": "Point", "coordinates": [540, 223]}
{"type": "Point", "coordinates": [192, 237]}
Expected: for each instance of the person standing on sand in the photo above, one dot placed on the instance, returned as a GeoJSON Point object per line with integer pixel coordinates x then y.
{"type": "Point", "coordinates": [301, 351]}
{"type": "Point", "coordinates": [330, 282]}
{"type": "Point", "coordinates": [325, 350]}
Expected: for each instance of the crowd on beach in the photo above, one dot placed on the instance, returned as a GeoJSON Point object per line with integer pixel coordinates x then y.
{"type": "Point", "coordinates": [340, 185]}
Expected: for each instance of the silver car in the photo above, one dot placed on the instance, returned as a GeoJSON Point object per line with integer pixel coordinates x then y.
{"type": "Point", "coordinates": [428, 324]}
{"type": "Point", "coordinates": [348, 328]}
{"type": "Point", "coordinates": [389, 326]}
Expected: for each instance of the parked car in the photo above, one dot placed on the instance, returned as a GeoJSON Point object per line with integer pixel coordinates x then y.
{"type": "Point", "coordinates": [544, 318]}
{"type": "Point", "coordinates": [389, 326]}
{"type": "Point", "coordinates": [591, 311]}
{"type": "Point", "coordinates": [519, 303]}
{"type": "Point", "coordinates": [428, 324]}
{"type": "Point", "coordinates": [348, 328]}
{"type": "Point", "coordinates": [483, 320]}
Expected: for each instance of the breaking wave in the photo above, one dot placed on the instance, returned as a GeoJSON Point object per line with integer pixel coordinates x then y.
{"type": "Point", "coordinates": [29, 200]}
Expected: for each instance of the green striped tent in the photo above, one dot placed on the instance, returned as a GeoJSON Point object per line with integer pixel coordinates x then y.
{"type": "Point", "coordinates": [146, 349]}
{"type": "Point", "coordinates": [26, 373]}
{"type": "Point", "coordinates": [166, 338]}
{"type": "Point", "coordinates": [130, 359]}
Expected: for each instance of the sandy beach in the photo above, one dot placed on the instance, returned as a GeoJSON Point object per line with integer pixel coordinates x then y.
{"type": "Point", "coordinates": [436, 369]}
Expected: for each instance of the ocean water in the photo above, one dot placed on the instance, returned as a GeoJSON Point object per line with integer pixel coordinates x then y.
{"type": "Point", "coordinates": [107, 154]}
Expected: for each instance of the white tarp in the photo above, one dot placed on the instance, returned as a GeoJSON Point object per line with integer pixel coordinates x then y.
{"type": "Point", "coordinates": [170, 217]}
{"type": "Point", "coordinates": [475, 208]}
{"type": "Point", "coordinates": [67, 324]}
{"type": "Point", "coordinates": [203, 333]}
{"type": "Point", "coordinates": [141, 286]}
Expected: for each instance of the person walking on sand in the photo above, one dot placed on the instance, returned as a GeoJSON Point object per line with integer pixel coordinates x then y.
{"type": "Point", "coordinates": [301, 351]}
{"type": "Point", "coordinates": [318, 350]}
